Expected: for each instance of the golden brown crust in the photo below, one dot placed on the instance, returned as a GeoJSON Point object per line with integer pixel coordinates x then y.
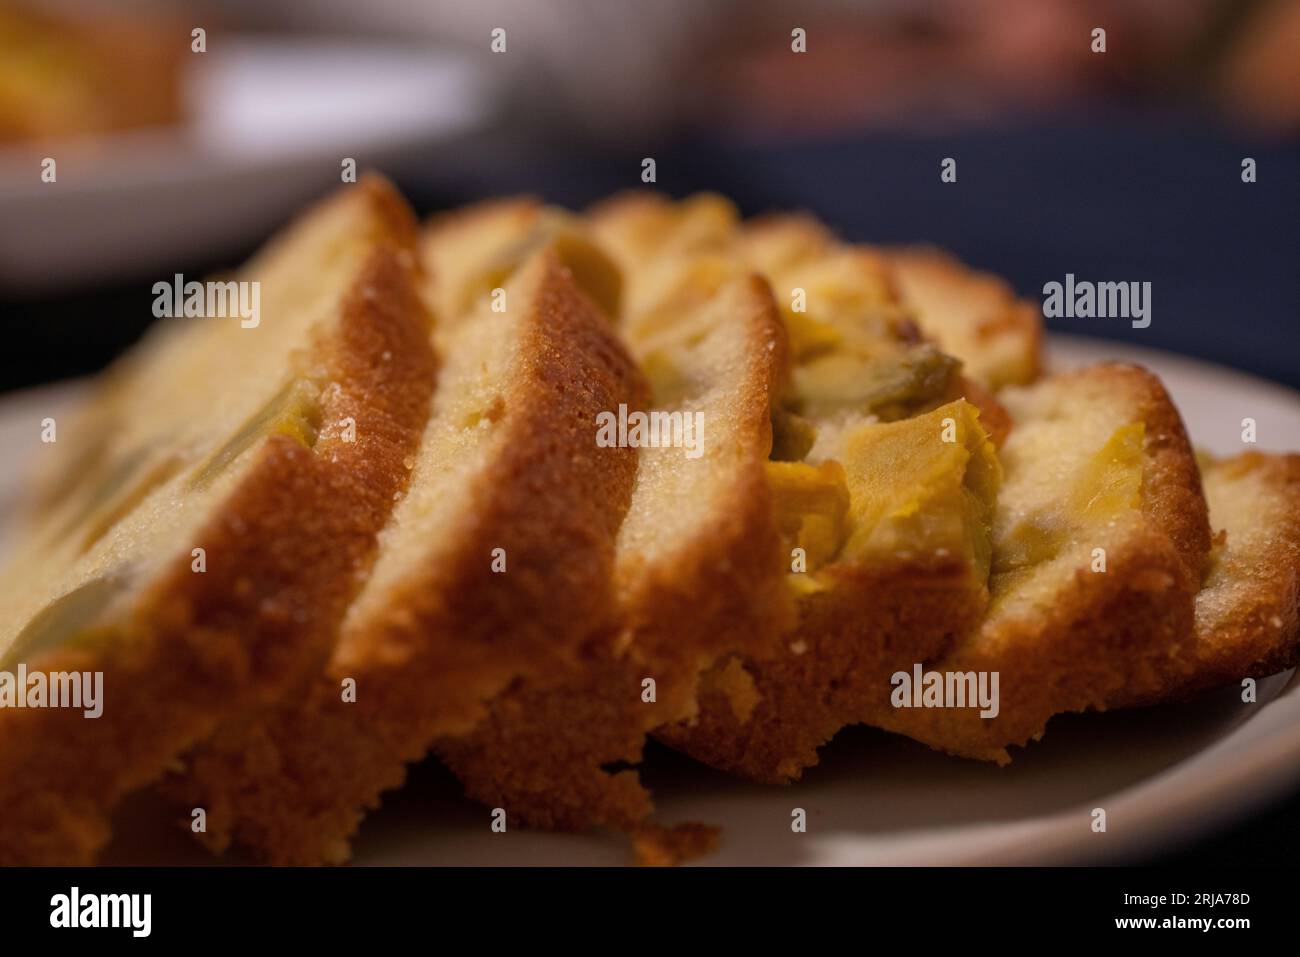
{"type": "Point", "coordinates": [282, 550]}
{"type": "Point", "coordinates": [542, 754]}
{"type": "Point", "coordinates": [1106, 637]}
{"type": "Point", "coordinates": [1172, 498]}
{"type": "Point", "coordinates": [293, 785]}
{"type": "Point", "coordinates": [832, 670]}
{"type": "Point", "coordinates": [1107, 634]}
{"type": "Point", "coordinates": [1263, 638]}
{"type": "Point", "coordinates": [1248, 610]}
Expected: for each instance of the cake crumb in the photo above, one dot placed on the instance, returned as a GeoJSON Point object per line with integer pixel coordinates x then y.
{"type": "Point", "coordinates": [657, 846]}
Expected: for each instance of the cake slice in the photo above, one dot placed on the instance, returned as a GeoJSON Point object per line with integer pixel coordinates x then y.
{"type": "Point", "coordinates": [882, 476]}
{"type": "Point", "coordinates": [972, 315]}
{"type": "Point", "coordinates": [697, 567]}
{"type": "Point", "coordinates": [1248, 608]}
{"type": "Point", "coordinates": [203, 522]}
{"type": "Point", "coordinates": [496, 566]}
{"type": "Point", "coordinates": [888, 528]}
{"type": "Point", "coordinates": [1099, 545]}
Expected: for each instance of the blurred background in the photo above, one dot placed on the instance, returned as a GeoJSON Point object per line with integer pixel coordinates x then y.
{"type": "Point", "coordinates": [1119, 165]}
{"type": "Point", "coordinates": [1122, 165]}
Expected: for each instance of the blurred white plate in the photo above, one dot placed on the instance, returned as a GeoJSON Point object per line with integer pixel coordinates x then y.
{"type": "Point", "coordinates": [271, 121]}
{"type": "Point", "coordinates": [1162, 774]}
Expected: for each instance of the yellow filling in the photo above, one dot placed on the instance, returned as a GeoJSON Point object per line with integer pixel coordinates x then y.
{"type": "Point", "coordinates": [893, 484]}
{"type": "Point", "coordinates": [812, 507]}
{"type": "Point", "coordinates": [922, 486]}
{"type": "Point", "coordinates": [917, 489]}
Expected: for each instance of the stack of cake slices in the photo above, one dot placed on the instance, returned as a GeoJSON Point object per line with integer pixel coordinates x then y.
{"type": "Point", "coordinates": [524, 488]}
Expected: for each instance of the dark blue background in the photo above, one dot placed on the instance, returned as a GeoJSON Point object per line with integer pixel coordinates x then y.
{"type": "Point", "coordinates": [1154, 198]}
{"type": "Point", "coordinates": [1141, 197]}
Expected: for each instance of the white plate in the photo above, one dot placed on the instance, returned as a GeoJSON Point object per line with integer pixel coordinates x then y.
{"type": "Point", "coordinates": [270, 122]}
{"type": "Point", "coordinates": [1162, 774]}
